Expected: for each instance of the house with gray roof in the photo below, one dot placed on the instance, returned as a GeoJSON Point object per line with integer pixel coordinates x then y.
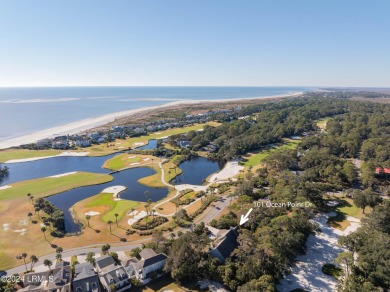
{"type": "Point", "coordinates": [112, 275]}
{"type": "Point", "coordinates": [56, 280]}
{"type": "Point", "coordinates": [225, 243]}
{"type": "Point", "coordinates": [149, 267]}
{"type": "Point", "coordinates": [85, 279]}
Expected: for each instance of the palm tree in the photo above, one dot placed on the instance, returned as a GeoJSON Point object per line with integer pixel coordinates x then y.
{"type": "Point", "coordinates": [59, 257]}
{"type": "Point", "coordinates": [22, 256]}
{"type": "Point", "coordinates": [88, 217]}
{"type": "Point", "coordinates": [29, 196]}
{"type": "Point", "coordinates": [34, 259]}
{"type": "Point", "coordinates": [30, 215]}
{"type": "Point", "coordinates": [146, 207]}
{"type": "Point", "coordinates": [43, 229]}
{"type": "Point", "coordinates": [32, 199]}
{"type": "Point", "coordinates": [59, 249]}
{"type": "Point", "coordinates": [48, 263]}
{"type": "Point", "coordinates": [133, 210]}
{"type": "Point", "coordinates": [37, 209]}
{"type": "Point", "coordinates": [153, 211]}
{"type": "Point", "coordinates": [109, 222]}
{"type": "Point", "coordinates": [147, 195]}
{"type": "Point", "coordinates": [116, 218]}
{"type": "Point", "coordinates": [149, 202]}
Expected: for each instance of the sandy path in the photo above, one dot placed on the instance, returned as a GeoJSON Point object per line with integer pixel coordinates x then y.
{"type": "Point", "coordinates": [321, 249]}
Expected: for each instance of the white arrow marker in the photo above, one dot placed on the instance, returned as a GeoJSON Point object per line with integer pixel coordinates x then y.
{"type": "Point", "coordinates": [245, 218]}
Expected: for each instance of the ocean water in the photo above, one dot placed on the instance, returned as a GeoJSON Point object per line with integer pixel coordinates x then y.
{"type": "Point", "coordinates": [27, 110]}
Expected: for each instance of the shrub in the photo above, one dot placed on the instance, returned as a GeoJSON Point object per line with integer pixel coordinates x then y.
{"type": "Point", "coordinates": [156, 221]}
{"type": "Point", "coordinates": [331, 270]}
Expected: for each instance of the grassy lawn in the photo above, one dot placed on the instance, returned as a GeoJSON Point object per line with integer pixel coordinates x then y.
{"type": "Point", "coordinates": [322, 123]}
{"type": "Point", "coordinates": [42, 187]}
{"type": "Point", "coordinates": [255, 159]}
{"type": "Point", "coordinates": [120, 207]}
{"type": "Point", "coordinates": [345, 208]}
{"type": "Point", "coordinates": [170, 166]}
{"type": "Point", "coordinates": [166, 283]}
{"type": "Point", "coordinates": [9, 154]}
{"type": "Point", "coordinates": [189, 195]}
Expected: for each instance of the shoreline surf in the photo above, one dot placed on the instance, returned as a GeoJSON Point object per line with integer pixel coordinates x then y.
{"type": "Point", "coordinates": [90, 123]}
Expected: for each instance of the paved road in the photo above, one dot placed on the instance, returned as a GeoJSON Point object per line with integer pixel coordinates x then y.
{"type": "Point", "coordinates": [211, 212]}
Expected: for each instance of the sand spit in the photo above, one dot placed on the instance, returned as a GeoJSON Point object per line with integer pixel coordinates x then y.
{"type": "Point", "coordinates": [63, 174]}
{"type": "Point", "coordinates": [67, 153]}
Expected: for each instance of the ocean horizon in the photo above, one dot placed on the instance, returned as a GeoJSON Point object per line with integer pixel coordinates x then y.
{"type": "Point", "coordinates": [27, 110]}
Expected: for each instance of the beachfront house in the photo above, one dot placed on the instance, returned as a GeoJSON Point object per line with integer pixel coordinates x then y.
{"type": "Point", "coordinates": [83, 143]}
{"type": "Point", "coordinates": [85, 279]}
{"type": "Point", "coordinates": [113, 277]}
{"type": "Point", "coordinates": [224, 244]}
{"type": "Point", "coordinates": [56, 280]}
{"type": "Point", "coordinates": [148, 268]}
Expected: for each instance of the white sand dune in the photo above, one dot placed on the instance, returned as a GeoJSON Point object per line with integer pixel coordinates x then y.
{"type": "Point", "coordinates": [63, 174]}
{"type": "Point", "coordinates": [321, 249]}
{"type": "Point", "coordinates": [231, 169]}
{"type": "Point", "coordinates": [86, 124]}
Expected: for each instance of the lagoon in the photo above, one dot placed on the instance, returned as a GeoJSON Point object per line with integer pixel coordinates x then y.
{"type": "Point", "coordinates": [196, 170]}
{"type": "Point", "coordinates": [128, 178]}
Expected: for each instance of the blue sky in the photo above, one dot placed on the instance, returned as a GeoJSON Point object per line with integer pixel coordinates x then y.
{"type": "Point", "coordinates": [199, 42]}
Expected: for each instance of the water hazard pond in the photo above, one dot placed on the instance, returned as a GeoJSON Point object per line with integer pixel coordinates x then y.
{"type": "Point", "coordinates": [194, 172]}
{"type": "Point", "coordinates": [128, 178]}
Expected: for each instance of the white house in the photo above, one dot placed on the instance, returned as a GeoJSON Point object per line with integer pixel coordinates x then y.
{"type": "Point", "coordinates": [111, 274]}
{"type": "Point", "coordinates": [150, 266]}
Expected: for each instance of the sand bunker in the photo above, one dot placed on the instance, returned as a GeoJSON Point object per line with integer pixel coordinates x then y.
{"type": "Point", "coordinates": [138, 144]}
{"type": "Point", "coordinates": [5, 187]}
{"type": "Point", "coordinates": [193, 187]}
{"type": "Point", "coordinates": [6, 226]}
{"type": "Point", "coordinates": [23, 222]}
{"type": "Point", "coordinates": [131, 157]}
{"type": "Point", "coordinates": [115, 190]}
{"type": "Point", "coordinates": [20, 231]}
{"type": "Point", "coordinates": [230, 170]}
{"type": "Point", "coordinates": [63, 174]}
{"type": "Point", "coordinates": [146, 159]}
{"type": "Point", "coordinates": [134, 163]}
{"type": "Point", "coordinates": [137, 216]}
{"type": "Point", "coordinates": [91, 213]}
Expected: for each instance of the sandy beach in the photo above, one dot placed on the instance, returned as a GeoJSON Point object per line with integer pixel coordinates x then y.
{"type": "Point", "coordinates": [87, 124]}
